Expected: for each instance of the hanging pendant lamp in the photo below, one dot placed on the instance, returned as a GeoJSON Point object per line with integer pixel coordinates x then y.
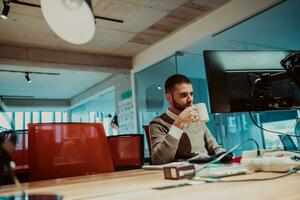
{"type": "Point", "coordinates": [71, 20]}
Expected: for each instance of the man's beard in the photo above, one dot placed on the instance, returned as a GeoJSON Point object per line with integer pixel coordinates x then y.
{"type": "Point", "coordinates": [178, 106]}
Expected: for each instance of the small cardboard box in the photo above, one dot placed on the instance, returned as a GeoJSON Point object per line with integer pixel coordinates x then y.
{"type": "Point", "coordinates": [179, 171]}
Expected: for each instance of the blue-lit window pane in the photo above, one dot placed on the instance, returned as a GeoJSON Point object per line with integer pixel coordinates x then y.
{"type": "Point", "coordinates": [5, 119]}
{"type": "Point", "coordinates": [65, 117]}
{"type": "Point", "coordinates": [47, 117]}
{"type": "Point", "coordinates": [92, 116]}
{"type": "Point", "coordinates": [106, 125]}
{"type": "Point", "coordinates": [36, 117]}
{"type": "Point", "coordinates": [27, 119]}
{"type": "Point", "coordinates": [19, 120]}
{"type": "Point", "coordinates": [58, 117]}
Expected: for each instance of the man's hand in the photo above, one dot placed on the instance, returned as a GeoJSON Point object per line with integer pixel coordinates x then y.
{"type": "Point", "coordinates": [187, 116]}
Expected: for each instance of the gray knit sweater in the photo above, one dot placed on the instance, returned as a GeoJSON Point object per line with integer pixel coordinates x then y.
{"type": "Point", "coordinates": [196, 139]}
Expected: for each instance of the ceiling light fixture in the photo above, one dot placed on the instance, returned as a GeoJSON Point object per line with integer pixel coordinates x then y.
{"type": "Point", "coordinates": [15, 71]}
{"type": "Point", "coordinates": [38, 6]}
{"type": "Point", "coordinates": [71, 20]}
{"type": "Point", "coordinates": [27, 73]}
{"type": "Point", "coordinates": [27, 77]}
{"type": "Point", "coordinates": [5, 9]}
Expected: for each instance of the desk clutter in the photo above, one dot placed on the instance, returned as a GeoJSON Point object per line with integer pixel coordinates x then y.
{"type": "Point", "coordinates": [179, 171]}
{"type": "Point", "coordinates": [269, 161]}
{"type": "Point", "coordinates": [186, 170]}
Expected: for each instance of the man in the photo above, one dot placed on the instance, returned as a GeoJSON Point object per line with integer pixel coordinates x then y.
{"type": "Point", "coordinates": [178, 133]}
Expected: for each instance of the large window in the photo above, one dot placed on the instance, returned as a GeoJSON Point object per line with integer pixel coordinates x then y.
{"type": "Point", "coordinates": [5, 120]}
{"type": "Point", "coordinates": [65, 117]}
{"type": "Point", "coordinates": [36, 117]}
{"type": "Point", "coordinates": [58, 116]}
{"type": "Point", "coordinates": [92, 116]}
{"type": "Point", "coordinates": [28, 119]}
{"type": "Point", "coordinates": [98, 110]}
{"type": "Point", "coordinates": [20, 120]}
{"type": "Point", "coordinates": [47, 117]}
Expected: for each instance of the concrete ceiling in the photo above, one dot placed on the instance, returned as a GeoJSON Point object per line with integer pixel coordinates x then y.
{"type": "Point", "coordinates": [145, 22]}
{"type": "Point", "coordinates": [28, 44]}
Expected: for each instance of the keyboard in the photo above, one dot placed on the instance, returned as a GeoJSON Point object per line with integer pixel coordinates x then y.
{"type": "Point", "coordinates": [205, 159]}
{"type": "Point", "coordinates": [217, 170]}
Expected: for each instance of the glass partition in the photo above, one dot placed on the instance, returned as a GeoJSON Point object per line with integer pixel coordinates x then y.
{"type": "Point", "coordinates": [269, 30]}
{"type": "Point", "coordinates": [150, 98]}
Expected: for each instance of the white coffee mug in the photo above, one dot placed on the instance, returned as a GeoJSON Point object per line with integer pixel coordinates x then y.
{"type": "Point", "coordinates": [202, 111]}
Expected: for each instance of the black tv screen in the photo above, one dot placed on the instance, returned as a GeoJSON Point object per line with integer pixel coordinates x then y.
{"type": "Point", "coordinates": [232, 75]}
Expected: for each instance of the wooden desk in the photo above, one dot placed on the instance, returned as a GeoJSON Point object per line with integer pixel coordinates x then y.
{"type": "Point", "coordinates": [138, 184]}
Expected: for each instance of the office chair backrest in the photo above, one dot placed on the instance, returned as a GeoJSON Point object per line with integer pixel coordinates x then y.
{"type": "Point", "coordinates": [146, 129]}
{"type": "Point", "coordinates": [127, 151]}
{"type": "Point", "coordinates": [67, 149]}
{"type": "Point", "coordinates": [147, 133]}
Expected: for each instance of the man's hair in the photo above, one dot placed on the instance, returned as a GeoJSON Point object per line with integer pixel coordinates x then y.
{"type": "Point", "coordinates": [175, 79]}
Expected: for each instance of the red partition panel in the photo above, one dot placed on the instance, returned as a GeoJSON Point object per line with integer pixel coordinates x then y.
{"type": "Point", "coordinates": [127, 151]}
{"type": "Point", "coordinates": [67, 149]}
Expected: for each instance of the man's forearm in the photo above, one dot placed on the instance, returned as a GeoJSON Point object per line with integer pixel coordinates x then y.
{"type": "Point", "coordinates": [164, 145]}
{"type": "Point", "coordinates": [165, 151]}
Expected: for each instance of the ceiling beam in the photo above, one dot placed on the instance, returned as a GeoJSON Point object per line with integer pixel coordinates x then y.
{"type": "Point", "coordinates": [24, 56]}
{"type": "Point", "coordinates": [16, 104]}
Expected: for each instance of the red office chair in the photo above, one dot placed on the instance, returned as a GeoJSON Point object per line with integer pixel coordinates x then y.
{"type": "Point", "coordinates": [147, 133]}
{"type": "Point", "coordinates": [127, 151]}
{"type": "Point", "coordinates": [67, 149]}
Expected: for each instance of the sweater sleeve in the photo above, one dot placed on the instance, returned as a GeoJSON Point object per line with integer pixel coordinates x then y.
{"type": "Point", "coordinates": [164, 143]}
{"type": "Point", "coordinates": [211, 145]}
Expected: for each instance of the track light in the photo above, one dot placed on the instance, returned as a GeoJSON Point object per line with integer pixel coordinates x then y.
{"type": "Point", "coordinates": [27, 73]}
{"type": "Point", "coordinates": [5, 10]}
{"type": "Point", "coordinates": [27, 77]}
